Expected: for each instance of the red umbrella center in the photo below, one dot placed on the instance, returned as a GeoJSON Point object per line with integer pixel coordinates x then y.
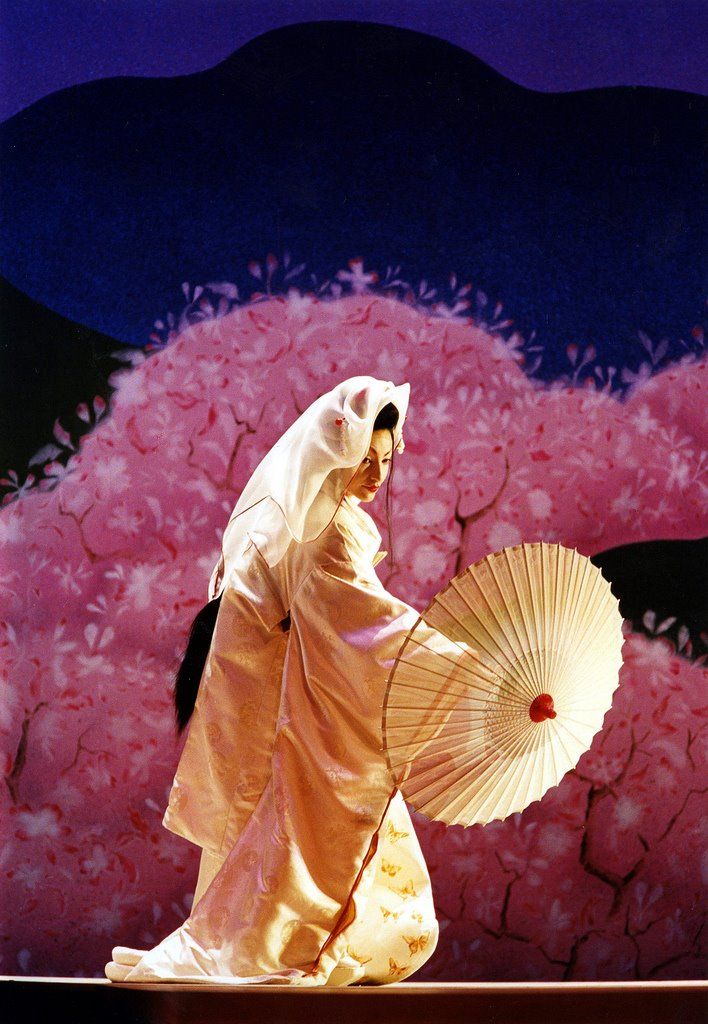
{"type": "Point", "coordinates": [542, 708]}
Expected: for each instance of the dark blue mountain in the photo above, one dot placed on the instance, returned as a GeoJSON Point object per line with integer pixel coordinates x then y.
{"type": "Point", "coordinates": [581, 211]}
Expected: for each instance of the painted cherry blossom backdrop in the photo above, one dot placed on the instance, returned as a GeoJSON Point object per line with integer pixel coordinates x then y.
{"type": "Point", "coordinates": [105, 562]}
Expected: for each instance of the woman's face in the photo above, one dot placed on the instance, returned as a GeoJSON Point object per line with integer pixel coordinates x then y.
{"type": "Point", "coordinates": [374, 468]}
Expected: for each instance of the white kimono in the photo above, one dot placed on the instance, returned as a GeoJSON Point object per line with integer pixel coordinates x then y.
{"type": "Point", "coordinates": [311, 872]}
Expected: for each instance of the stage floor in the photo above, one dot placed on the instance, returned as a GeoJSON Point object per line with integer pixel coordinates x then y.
{"type": "Point", "coordinates": [79, 1000]}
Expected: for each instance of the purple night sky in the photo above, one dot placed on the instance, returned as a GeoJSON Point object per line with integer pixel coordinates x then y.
{"type": "Point", "coordinates": [550, 45]}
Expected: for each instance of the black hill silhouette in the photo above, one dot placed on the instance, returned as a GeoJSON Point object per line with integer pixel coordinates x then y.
{"type": "Point", "coordinates": [48, 365]}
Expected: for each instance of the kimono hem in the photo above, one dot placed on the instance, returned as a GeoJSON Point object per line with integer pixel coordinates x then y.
{"type": "Point", "coordinates": [312, 872]}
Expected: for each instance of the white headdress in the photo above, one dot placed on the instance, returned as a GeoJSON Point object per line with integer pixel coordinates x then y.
{"type": "Point", "coordinates": [295, 490]}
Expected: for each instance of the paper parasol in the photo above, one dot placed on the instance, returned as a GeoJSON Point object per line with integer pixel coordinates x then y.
{"type": "Point", "coordinates": [490, 707]}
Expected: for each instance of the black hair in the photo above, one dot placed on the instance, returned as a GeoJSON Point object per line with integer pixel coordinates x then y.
{"type": "Point", "coordinates": [387, 420]}
{"type": "Point", "coordinates": [189, 673]}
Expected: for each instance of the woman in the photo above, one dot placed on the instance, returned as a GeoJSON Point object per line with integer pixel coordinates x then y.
{"type": "Point", "coordinates": [311, 873]}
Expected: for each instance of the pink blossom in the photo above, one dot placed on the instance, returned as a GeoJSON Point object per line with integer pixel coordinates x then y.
{"type": "Point", "coordinates": [102, 575]}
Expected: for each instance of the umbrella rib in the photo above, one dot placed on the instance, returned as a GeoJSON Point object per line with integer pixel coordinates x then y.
{"type": "Point", "coordinates": [442, 604]}
{"type": "Point", "coordinates": [576, 603]}
{"type": "Point", "coordinates": [537, 616]}
{"type": "Point", "coordinates": [541, 621]}
{"type": "Point", "coordinates": [399, 685]}
{"type": "Point", "coordinates": [499, 793]}
{"type": "Point", "coordinates": [561, 744]}
{"type": "Point", "coordinates": [415, 795]}
{"type": "Point", "coordinates": [501, 735]}
{"type": "Point", "coordinates": [592, 624]}
{"type": "Point", "coordinates": [453, 660]}
{"type": "Point", "coordinates": [521, 601]}
{"type": "Point", "coordinates": [539, 754]}
{"type": "Point", "coordinates": [527, 689]}
{"type": "Point", "coordinates": [491, 780]}
{"type": "Point", "coordinates": [489, 789]}
{"type": "Point", "coordinates": [457, 666]}
{"type": "Point", "coordinates": [494, 653]}
{"type": "Point", "coordinates": [508, 666]}
{"type": "Point", "coordinates": [564, 570]}
{"type": "Point", "coordinates": [405, 684]}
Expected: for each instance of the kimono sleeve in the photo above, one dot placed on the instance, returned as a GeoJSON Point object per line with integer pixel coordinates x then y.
{"type": "Point", "coordinates": [349, 630]}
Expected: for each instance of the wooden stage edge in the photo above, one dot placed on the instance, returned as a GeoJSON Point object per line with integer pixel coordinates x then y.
{"type": "Point", "coordinates": [97, 1001]}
